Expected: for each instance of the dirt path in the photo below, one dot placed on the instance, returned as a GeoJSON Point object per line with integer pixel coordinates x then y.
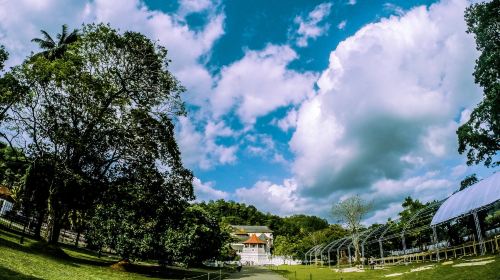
{"type": "Point", "coordinates": [255, 273]}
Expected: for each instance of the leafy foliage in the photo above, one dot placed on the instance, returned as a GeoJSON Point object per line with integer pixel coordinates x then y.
{"type": "Point", "coordinates": [99, 117]}
{"type": "Point", "coordinates": [3, 57]}
{"type": "Point", "coordinates": [198, 238]}
{"type": "Point", "coordinates": [468, 181]}
{"type": "Point", "coordinates": [479, 137]}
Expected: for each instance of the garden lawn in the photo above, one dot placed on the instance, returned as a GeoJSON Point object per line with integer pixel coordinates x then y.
{"type": "Point", "coordinates": [37, 260]}
{"type": "Point", "coordinates": [487, 267]}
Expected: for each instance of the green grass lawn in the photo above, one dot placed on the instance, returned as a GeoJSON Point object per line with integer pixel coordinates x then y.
{"type": "Point", "coordinates": [438, 271]}
{"type": "Point", "coordinates": [36, 260]}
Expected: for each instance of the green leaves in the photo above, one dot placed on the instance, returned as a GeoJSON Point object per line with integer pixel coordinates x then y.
{"type": "Point", "coordinates": [479, 137]}
{"type": "Point", "coordinates": [97, 110]}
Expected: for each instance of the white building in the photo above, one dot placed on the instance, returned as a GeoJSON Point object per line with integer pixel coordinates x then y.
{"type": "Point", "coordinates": [253, 244]}
{"type": "Point", "coordinates": [6, 201]}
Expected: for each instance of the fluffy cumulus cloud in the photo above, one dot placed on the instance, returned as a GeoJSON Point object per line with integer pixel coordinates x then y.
{"type": "Point", "coordinates": [259, 83]}
{"type": "Point", "coordinates": [207, 191]}
{"type": "Point", "coordinates": [281, 199]}
{"type": "Point", "coordinates": [387, 105]}
{"type": "Point", "coordinates": [199, 147]}
{"type": "Point", "coordinates": [288, 122]}
{"type": "Point", "coordinates": [312, 26]}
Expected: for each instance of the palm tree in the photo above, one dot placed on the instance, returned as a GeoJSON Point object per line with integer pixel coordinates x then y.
{"type": "Point", "coordinates": [53, 50]}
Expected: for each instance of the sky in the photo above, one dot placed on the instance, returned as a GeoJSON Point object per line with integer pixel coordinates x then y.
{"type": "Point", "coordinates": [296, 105]}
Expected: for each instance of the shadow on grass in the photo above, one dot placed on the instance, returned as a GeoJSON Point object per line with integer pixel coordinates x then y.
{"type": "Point", "coordinates": [39, 248]}
{"type": "Point", "coordinates": [10, 239]}
{"type": "Point", "coordinates": [164, 272]}
{"type": "Point", "coordinates": [9, 274]}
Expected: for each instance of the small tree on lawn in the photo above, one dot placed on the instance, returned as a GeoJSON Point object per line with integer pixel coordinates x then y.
{"type": "Point", "coordinates": [351, 211]}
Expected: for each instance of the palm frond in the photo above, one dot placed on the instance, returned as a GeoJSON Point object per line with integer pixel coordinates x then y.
{"type": "Point", "coordinates": [47, 37]}
{"type": "Point", "coordinates": [43, 44]}
{"type": "Point", "coordinates": [63, 34]}
{"type": "Point", "coordinates": [72, 37]}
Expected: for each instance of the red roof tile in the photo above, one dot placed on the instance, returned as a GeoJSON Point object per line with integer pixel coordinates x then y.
{"type": "Point", "coordinates": [254, 240]}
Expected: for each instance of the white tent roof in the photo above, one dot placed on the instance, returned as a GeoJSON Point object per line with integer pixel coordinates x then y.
{"type": "Point", "coordinates": [476, 196]}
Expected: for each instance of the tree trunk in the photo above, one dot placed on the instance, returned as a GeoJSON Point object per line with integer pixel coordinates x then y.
{"type": "Point", "coordinates": [355, 243]}
{"type": "Point", "coordinates": [38, 224]}
{"type": "Point", "coordinates": [54, 225]}
{"type": "Point", "coordinates": [77, 238]}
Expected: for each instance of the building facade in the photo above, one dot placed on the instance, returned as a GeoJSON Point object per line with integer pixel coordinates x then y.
{"type": "Point", "coordinates": [253, 244]}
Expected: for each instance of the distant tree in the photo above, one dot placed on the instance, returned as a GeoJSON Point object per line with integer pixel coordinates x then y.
{"type": "Point", "coordinates": [197, 238]}
{"type": "Point", "coordinates": [479, 137]}
{"type": "Point", "coordinates": [351, 212]}
{"type": "Point", "coordinates": [410, 207]}
{"type": "Point", "coordinates": [286, 246]}
{"type": "Point", "coordinates": [468, 181]}
{"type": "Point", "coordinates": [302, 224]}
{"type": "Point", "coordinates": [52, 49]}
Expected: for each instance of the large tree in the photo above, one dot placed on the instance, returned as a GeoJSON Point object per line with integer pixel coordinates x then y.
{"type": "Point", "coordinates": [351, 211]}
{"type": "Point", "coordinates": [479, 137]}
{"type": "Point", "coordinates": [97, 114]}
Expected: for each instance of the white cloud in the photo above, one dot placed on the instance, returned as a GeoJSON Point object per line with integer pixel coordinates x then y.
{"type": "Point", "coordinates": [311, 27]}
{"type": "Point", "coordinates": [260, 83]}
{"type": "Point", "coordinates": [386, 108]}
{"type": "Point", "coordinates": [387, 195]}
{"type": "Point", "coordinates": [263, 146]}
{"type": "Point", "coordinates": [351, 2]}
{"type": "Point", "coordinates": [200, 149]}
{"type": "Point", "coordinates": [193, 6]}
{"type": "Point", "coordinates": [207, 191]}
{"type": "Point", "coordinates": [342, 24]}
{"type": "Point", "coordinates": [288, 122]}
{"type": "Point", "coordinates": [395, 9]}
{"type": "Point", "coordinates": [459, 170]}
{"type": "Point", "coordinates": [21, 21]}
{"type": "Point", "coordinates": [281, 199]}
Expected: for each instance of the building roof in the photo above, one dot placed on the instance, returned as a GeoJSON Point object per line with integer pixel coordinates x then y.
{"type": "Point", "coordinates": [254, 240]}
{"type": "Point", "coordinates": [239, 229]}
{"type": "Point", "coordinates": [6, 194]}
{"type": "Point", "coordinates": [479, 195]}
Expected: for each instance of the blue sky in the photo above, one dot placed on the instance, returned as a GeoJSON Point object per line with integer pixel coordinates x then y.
{"type": "Point", "coordinates": [295, 105]}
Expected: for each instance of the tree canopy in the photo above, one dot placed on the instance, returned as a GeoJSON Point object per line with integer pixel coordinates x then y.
{"type": "Point", "coordinates": [479, 137]}
{"type": "Point", "coordinates": [96, 122]}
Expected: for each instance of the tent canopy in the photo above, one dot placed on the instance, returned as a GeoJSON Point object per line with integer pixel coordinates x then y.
{"type": "Point", "coordinates": [474, 197]}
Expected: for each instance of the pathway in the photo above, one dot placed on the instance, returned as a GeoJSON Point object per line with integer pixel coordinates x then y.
{"type": "Point", "coordinates": [255, 273]}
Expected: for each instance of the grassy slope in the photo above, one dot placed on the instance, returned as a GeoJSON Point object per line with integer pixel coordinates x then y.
{"type": "Point", "coordinates": [485, 272]}
{"type": "Point", "coordinates": [34, 260]}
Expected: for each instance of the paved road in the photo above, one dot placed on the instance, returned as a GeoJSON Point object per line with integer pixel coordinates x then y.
{"type": "Point", "coordinates": [255, 273]}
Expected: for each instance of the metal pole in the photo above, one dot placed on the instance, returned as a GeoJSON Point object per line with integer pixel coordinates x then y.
{"type": "Point", "coordinates": [381, 251]}
{"type": "Point", "coordinates": [479, 235]}
{"type": "Point", "coordinates": [363, 252]}
{"type": "Point", "coordinates": [329, 261]}
{"type": "Point", "coordinates": [349, 251]}
{"type": "Point", "coordinates": [403, 240]}
{"type": "Point", "coordinates": [434, 234]}
{"type": "Point", "coordinates": [338, 257]}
